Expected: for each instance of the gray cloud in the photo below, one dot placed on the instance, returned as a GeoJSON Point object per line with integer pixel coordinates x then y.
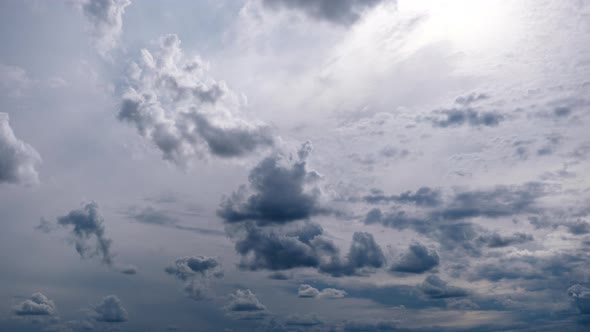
{"type": "Point", "coordinates": [422, 197]}
{"type": "Point", "coordinates": [436, 288]}
{"type": "Point", "coordinates": [106, 21]}
{"type": "Point", "coordinates": [280, 193]}
{"type": "Point", "coordinates": [243, 304]}
{"type": "Point", "coordinates": [37, 305]}
{"type": "Point", "coordinates": [87, 224]}
{"type": "Point", "coordinates": [495, 240]}
{"type": "Point", "coordinates": [88, 235]}
{"type": "Point", "coordinates": [308, 291]}
{"type": "Point", "coordinates": [110, 310]}
{"type": "Point", "coordinates": [364, 256]}
{"type": "Point", "coordinates": [174, 104]}
{"type": "Point", "coordinates": [196, 272]}
{"type": "Point", "coordinates": [343, 12]}
{"type": "Point", "coordinates": [581, 298]}
{"type": "Point", "coordinates": [383, 326]}
{"type": "Point", "coordinates": [18, 160]}
{"type": "Point", "coordinates": [417, 259]}
{"type": "Point", "coordinates": [462, 304]}
{"type": "Point", "coordinates": [466, 113]}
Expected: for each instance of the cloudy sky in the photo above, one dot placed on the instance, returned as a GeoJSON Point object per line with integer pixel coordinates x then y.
{"type": "Point", "coordinates": [294, 165]}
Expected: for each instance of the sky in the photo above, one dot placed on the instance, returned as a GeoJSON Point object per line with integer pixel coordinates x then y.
{"type": "Point", "coordinates": [294, 165]}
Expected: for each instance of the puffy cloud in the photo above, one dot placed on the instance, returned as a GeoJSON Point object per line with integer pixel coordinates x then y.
{"type": "Point", "coordinates": [436, 288]}
{"type": "Point", "coordinates": [196, 272]}
{"type": "Point", "coordinates": [303, 320]}
{"type": "Point", "coordinates": [581, 297]}
{"type": "Point", "coordinates": [279, 276]}
{"type": "Point", "coordinates": [106, 21]}
{"type": "Point", "coordinates": [37, 305]}
{"type": "Point", "coordinates": [174, 104]}
{"type": "Point", "coordinates": [342, 12]}
{"type": "Point", "coordinates": [18, 160]}
{"type": "Point", "coordinates": [243, 304]}
{"type": "Point", "coordinates": [418, 259]}
{"type": "Point", "coordinates": [280, 193]}
{"type": "Point", "coordinates": [110, 310]}
{"type": "Point", "coordinates": [327, 293]}
{"type": "Point", "coordinates": [364, 255]}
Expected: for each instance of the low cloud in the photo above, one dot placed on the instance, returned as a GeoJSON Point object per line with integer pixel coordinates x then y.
{"type": "Point", "coordinates": [280, 192]}
{"type": "Point", "coordinates": [37, 305]}
{"type": "Point", "coordinates": [308, 291]}
{"type": "Point", "coordinates": [110, 310]}
{"type": "Point", "coordinates": [417, 259]}
{"type": "Point", "coordinates": [581, 298]}
{"type": "Point", "coordinates": [18, 160]}
{"type": "Point", "coordinates": [196, 272]}
{"type": "Point", "coordinates": [466, 112]}
{"type": "Point", "coordinates": [436, 288]}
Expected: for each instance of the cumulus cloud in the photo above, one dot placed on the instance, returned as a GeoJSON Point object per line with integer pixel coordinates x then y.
{"type": "Point", "coordinates": [37, 305]}
{"type": "Point", "coordinates": [280, 193]}
{"type": "Point", "coordinates": [88, 235]}
{"type": "Point", "coordinates": [18, 160]}
{"type": "Point", "coordinates": [344, 12]}
{"type": "Point", "coordinates": [364, 256]}
{"type": "Point", "coordinates": [434, 287]}
{"type": "Point", "coordinates": [196, 272]}
{"type": "Point", "coordinates": [495, 240]}
{"type": "Point", "coordinates": [175, 105]}
{"type": "Point", "coordinates": [110, 310]}
{"type": "Point", "coordinates": [581, 298]}
{"type": "Point", "coordinates": [417, 259]}
{"type": "Point", "coordinates": [462, 304]}
{"type": "Point", "coordinates": [243, 304]}
{"type": "Point", "coordinates": [308, 291]}
{"type": "Point", "coordinates": [106, 21]}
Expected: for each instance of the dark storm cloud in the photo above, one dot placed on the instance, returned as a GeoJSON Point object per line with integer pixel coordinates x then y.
{"type": "Point", "coordinates": [174, 104]}
{"type": "Point", "coordinates": [110, 310]}
{"type": "Point", "coordinates": [277, 249]}
{"type": "Point", "coordinates": [280, 193]}
{"type": "Point", "coordinates": [436, 288]}
{"type": "Point", "coordinates": [196, 272]}
{"type": "Point", "coordinates": [343, 12]}
{"type": "Point", "coordinates": [106, 20]}
{"type": "Point", "coordinates": [422, 197]}
{"type": "Point", "coordinates": [18, 160]}
{"type": "Point", "coordinates": [37, 305]}
{"type": "Point", "coordinates": [417, 259]}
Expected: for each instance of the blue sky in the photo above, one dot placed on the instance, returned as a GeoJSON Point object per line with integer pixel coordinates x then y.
{"type": "Point", "coordinates": [294, 165]}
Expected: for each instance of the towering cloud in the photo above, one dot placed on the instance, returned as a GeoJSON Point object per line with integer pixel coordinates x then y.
{"type": "Point", "coordinates": [280, 193]}
{"type": "Point", "coordinates": [106, 21]}
{"type": "Point", "coordinates": [173, 103]}
{"type": "Point", "coordinates": [18, 160]}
